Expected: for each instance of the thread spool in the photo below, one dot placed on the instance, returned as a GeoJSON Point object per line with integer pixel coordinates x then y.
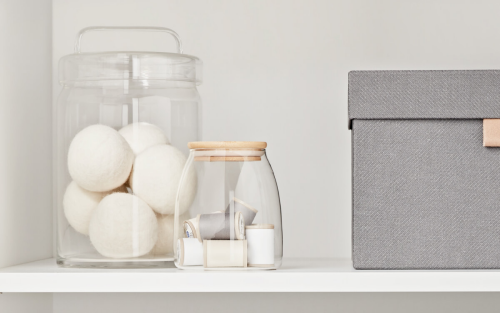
{"type": "Point", "coordinates": [190, 228]}
{"type": "Point", "coordinates": [191, 225]}
{"type": "Point", "coordinates": [190, 252]}
{"type": "Point", "coordinates": [217, 226]}
{"type": "Point", "coordinates": [224, 253]}
{"type": "Point", "coordinates": [246, 209]}
{"type": "Point", "coordinates": [260, 238]}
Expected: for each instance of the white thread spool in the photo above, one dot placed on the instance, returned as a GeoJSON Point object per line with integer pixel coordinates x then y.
{"type": "Point", "coordinates": [190, 252]}
{"type": "Point", "coordinates": [246, 209]}
{"type": "Point", "coordinates": [260, 239]}
{"type": "Point", "coordinates": [224, 253]}
{"type": "Point", "coordinates": [191, 226]}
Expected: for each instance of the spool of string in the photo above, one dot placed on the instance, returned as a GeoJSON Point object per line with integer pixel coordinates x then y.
{"type": "Point", "coordinates": [260, 238]}
{"type": "Point", "coordinates": [191, 226]}
{"type": "Point", "coordinates": [224, 253]}
{"type": "Point", "coordinates": [220, 226]}
{"type": "Point", "coordinates": [190, 252]}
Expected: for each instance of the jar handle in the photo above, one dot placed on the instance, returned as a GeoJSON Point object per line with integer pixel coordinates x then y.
{"type": "Point", "coordinates": [127, 28]}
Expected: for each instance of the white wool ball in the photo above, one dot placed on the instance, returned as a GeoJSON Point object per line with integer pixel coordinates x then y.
{"type": "Point", "coordinates": [79, 204]}
{"type": "Point", "coordinates": [141, 136]}
{"type": "Point", "coordinates": [99, 158]}
{"type": "Point", "coordinates": [155, 179]}
{"type": "Point", "coordinates": [123, 226]}
{"type": "Point", "coordinates": [165, 243]}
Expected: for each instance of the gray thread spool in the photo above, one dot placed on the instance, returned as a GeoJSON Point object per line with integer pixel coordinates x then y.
{"type": "Point", "coordinates": [191, 226]}
{"type": "Point", "coordinates": [246, 209]}
{"type": "Point", "coordinates": [217, 226]}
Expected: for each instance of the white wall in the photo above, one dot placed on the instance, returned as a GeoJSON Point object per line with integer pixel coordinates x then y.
{"type": "Point", "coordinates": [270, 73]}
{"type": "Point", "coordinates": [26, 303]}
{"type": "Point", "coordinates": [277, 71]}
{"type": "Point", "coordinates": [260, 302]}
{"type": "Point", "coordinates": [25, 131]}
{"type": "Point", "coordinates": [277, 302]}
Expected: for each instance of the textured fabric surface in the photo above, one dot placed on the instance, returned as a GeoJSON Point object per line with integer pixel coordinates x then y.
{"type": "Point", "coordinates": [426, 195]}
{"type": "Point", "coordinates": [424, 94]}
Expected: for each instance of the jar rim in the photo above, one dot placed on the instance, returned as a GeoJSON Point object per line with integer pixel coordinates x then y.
{"type": "Point", "coordinates": [130, 65]}
{"type": "Point", "coordinates": [228, 145]}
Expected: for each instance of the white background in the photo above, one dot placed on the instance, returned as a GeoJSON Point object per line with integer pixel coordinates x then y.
{"type": "Point", "coordinates": [25, 131]}
{"type": "Point", "coordinates": [249, 303]}
{"type": "Point", "coordinates": [274, 70]}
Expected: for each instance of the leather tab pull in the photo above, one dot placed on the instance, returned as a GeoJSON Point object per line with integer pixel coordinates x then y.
{"type": "Point", "coordinates": [491, 132]}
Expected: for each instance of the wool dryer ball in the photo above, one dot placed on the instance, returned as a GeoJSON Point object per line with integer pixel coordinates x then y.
{"type": "Point", "coordinates": [123, 226]}
{"type": "Point", "coordinates": [79, 204]}
{"type": "Point", "coordinates": [141, 136]}
{"type": "Point", "coordinates": [155, 179]}
{"type": "Point", "coordinates": [165, 243]}
{"type": "Point", "coordinates": [99, 158]}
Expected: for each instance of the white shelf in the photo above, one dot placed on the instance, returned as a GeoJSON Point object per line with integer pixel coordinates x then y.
{"type": "Point", "coordinates": [305, 275]}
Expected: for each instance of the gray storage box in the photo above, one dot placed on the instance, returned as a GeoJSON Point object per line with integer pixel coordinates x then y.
{"type": "Point", "coordinates": [426, 193]}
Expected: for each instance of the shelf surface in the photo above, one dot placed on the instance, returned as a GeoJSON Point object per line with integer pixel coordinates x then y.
{"type": "Point", "coordinates": [296, 275]}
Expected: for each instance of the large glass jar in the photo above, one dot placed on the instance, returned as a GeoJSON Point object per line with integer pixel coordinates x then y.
{"type": "Point", "coordinates": [234, 220]}
{"type": "Point", "coordinates": [123, 123]}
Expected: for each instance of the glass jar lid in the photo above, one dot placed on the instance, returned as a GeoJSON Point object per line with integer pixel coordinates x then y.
{"type": "Point", "coordinates": [129, 65]}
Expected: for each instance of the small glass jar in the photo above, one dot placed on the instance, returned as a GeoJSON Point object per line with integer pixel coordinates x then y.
{"type": "Point", "coordinates": [228, 210]}
{"type": "Point", "coordinates": [123, 123]}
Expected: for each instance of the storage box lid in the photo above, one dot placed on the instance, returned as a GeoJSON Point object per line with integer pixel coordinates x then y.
{"type": "Point", "coordinates": [473, 94]}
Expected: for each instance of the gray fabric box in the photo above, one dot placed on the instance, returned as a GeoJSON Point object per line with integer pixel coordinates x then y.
{"type": "Point", "coordinates": [426, 193]}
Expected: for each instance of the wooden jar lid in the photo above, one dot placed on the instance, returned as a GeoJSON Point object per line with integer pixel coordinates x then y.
{"type": "Point", "coordinates": [260, 226]}
{"type": "Point", "coordinates": [227, 145]}
{"type": "Point", "coordinates": [226, 159]}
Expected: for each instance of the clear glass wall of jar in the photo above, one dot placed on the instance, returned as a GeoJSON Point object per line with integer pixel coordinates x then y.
{"type": "Point", "coordinates": [123, 123]}
{"type": "Point", "coordinates": [228, 209]}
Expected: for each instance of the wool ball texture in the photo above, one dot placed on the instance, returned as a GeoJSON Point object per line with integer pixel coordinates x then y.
{"type": "Point", "coordinates": [141, 136]}
{"type": "Point", "coordinates": [155, 179]}
{"type": "Point", "coordinates": [99, 158]}
{"type": "Point", "coordinates": [79, 204]}
{"type": "Point", "coordinates": [165, 243]}
{"type": "Point", "coordinates": [123, 226]}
